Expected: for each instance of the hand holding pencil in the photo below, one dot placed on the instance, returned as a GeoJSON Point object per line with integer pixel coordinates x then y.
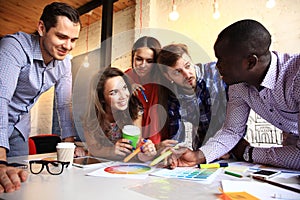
{"type": "Point", "coordinates": [136, 88]}
{"type": "Point", "coordinates": [146, 147]}
{"type": "Point", "coordinates": [130, 156]}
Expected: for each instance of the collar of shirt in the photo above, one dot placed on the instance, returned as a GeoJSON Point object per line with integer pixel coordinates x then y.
{"type": "Point", "coordinates": [199, 74]}
{"type": "Point", "coordinates": [270, 79]}
{"type": "Point", "coordinates": [37, 53]}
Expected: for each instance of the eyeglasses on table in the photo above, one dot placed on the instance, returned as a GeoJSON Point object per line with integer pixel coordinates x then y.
{"type": "Point", "coordinates": [53, 167]}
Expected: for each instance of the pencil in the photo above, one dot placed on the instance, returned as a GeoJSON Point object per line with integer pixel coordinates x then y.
{"type": "Point", "coordinates": [163, 156]}
{"type": "Point", "coordinates": [126, 159]}
{"type": "Point", "coordinates": [138, 150]}
{"type": "Point", "coordinates": [233, 174]}
{"type": "Point", "coordinates": [276, 184]}
{"type": "Point", "coordinates": [144, 95]}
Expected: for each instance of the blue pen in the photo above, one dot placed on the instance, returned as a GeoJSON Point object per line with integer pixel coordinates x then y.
{"type": "Point", "coordinates": [144, 95]}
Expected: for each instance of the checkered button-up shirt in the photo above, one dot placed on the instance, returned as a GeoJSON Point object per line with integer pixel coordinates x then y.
{"type": "Point", "coordinates": [278, 103]}
{"type": "Point", "coordinates": [23, 78]}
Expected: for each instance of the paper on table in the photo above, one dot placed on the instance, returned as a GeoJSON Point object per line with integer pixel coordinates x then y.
{"type": "Point", "coordinates": [189, 173]}
{"type": "Point", "coordinates": [258, 167]}
{"type": "Point", "coordinates": [260, 190]}
{"type": "Point", "coordinates": [135, 166]}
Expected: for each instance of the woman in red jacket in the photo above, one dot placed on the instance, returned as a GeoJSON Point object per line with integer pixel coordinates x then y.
{"type": "Point", "coordinates": [145, 81]}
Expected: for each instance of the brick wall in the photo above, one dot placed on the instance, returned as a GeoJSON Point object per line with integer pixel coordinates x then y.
{"type": "Point", "coordinates": [41, 114]}
{"type": "Point", "coordinates": [195, 27]}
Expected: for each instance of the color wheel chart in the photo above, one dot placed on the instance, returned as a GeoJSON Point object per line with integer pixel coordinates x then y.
{"type": "Point", "coordinates": [127, 169]}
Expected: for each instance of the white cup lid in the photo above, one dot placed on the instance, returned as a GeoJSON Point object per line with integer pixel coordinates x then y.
{"type": "Point", "coordinates": [131, 130]}
{"type": "Point", "coordinates": [65, 145]}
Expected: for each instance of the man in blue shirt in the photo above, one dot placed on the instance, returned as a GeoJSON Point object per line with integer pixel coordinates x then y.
{"type": "Point", "coordinates": [197, 96]}
{"type": "Point", "coordinates": [29, 66]}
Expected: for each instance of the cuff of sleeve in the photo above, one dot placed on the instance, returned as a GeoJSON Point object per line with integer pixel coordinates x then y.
{"type": "Point", "coordinates": [68, 132]}
{"type": "Point", "coordinates": [207, 154]}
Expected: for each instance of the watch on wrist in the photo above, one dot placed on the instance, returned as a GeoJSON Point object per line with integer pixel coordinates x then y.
{"type": "Point", "coordinates": [248, 154]}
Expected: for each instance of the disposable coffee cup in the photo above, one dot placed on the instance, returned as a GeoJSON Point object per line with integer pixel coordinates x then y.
{"type": "Point", "coordinates": [131, 133]}
{"type": "Point", "coordinates": [65, 152]}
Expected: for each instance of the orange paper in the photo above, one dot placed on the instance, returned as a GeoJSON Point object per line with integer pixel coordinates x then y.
{"type": "Point", "coordinates": [237, 196]}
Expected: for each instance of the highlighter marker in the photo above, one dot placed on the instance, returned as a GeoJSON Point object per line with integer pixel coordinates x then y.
{"type": "Point", "coordinates": [212, 165]}
{"type": "Point", "coordinates": [144, 95]}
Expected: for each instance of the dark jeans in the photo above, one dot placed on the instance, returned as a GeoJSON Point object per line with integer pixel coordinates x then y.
{"type": "Point", "coordinates": [18, 145]}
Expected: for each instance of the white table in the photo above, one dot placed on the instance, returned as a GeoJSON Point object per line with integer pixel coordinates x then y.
{"type": "Point", "coordinates": [74, 184]}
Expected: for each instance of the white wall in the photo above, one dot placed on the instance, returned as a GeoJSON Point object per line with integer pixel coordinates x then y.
{"type": "Point", "coordinates": [196, 20]}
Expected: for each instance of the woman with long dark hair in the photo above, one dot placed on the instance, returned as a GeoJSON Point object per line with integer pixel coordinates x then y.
{"type": "Point", "coordinates": [111, 108]}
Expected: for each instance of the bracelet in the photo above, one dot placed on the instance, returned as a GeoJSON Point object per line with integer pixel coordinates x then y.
{"type": "Point", "coordinates": [250, 154]}
{"type": "Point", "coordinates": [3, 162]}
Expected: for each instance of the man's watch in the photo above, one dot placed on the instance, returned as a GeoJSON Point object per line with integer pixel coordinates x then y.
{"type": "Point", "coordinates": [248, 154]}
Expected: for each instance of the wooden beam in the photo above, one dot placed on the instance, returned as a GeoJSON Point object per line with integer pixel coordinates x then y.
{"type": "Point", "coordinates": [90, 6]}
{"type": "Point", "coordinates": [106, 33]}
{"type": "Point", "coordinates": [106, 28]}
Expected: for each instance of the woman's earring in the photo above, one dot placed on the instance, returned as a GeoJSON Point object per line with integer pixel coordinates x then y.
{"type": "Point", "coordinates": [172, 81]}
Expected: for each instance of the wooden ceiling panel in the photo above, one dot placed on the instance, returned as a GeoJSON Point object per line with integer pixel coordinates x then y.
{"type": "Point", "coordinates": [23, 15]}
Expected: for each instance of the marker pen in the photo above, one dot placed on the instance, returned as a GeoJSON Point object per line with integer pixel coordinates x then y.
{"type": "Point", "coordinates": [212, 165]}
{"type": "Point", "coordinates": [144, 95]}
{"type": "Point", "coordinates": [233, 174]}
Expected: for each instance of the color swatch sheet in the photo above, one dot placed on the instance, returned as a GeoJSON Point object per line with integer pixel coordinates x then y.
{"type": "Point", "coordinates": [123, 170]}
{"type": "Point", "coordinates": [188, 173]}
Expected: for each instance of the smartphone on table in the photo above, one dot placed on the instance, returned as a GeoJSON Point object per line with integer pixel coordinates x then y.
{"type": "Point", "coordinates": [266, 174]}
